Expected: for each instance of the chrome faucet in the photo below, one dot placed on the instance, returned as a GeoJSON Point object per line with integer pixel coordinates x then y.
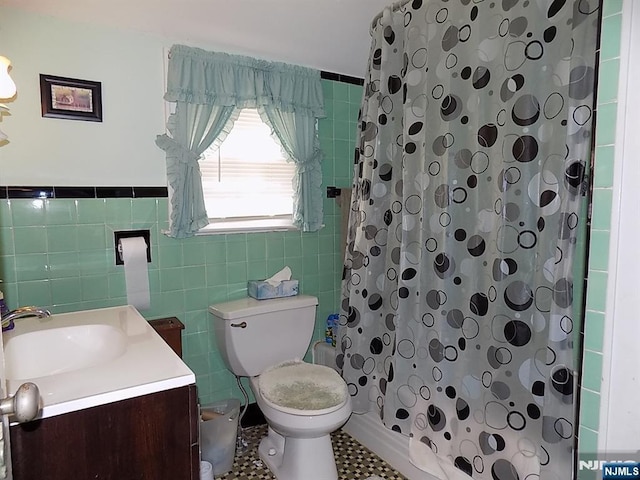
{"type": "Point", "coordinates": [8, 318]}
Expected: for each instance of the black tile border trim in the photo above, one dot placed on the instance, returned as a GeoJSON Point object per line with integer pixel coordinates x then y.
{"type": "Point", "coordinates": [338, 77]}
{"type": "Point", "coordinates": [74, 192]}
{"type": "Point", "coordinates": [114, 192]}
{"type": "Point", "coordinates": [29, 192]}
{"type": "Point", "coordinates": [82, 192]}
{"type": "Point", "coordinates": [150, 192]}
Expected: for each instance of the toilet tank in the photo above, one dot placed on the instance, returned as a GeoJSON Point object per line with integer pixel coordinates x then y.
{"type": "Point", "coordinates": [255, 334]}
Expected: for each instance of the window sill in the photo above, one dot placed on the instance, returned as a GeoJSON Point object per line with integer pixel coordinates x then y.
{"type": "Point", "coordinates": [247, 226]}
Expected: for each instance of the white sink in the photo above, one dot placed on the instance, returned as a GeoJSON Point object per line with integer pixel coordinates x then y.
{"type": "Point", "coordinates": [89, 358]}
{"type": "Point", "coordinates": [59, 350]}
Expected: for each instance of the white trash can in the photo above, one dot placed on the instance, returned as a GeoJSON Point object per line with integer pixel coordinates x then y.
{"type": "Point", "coordinates": [218, 433]}
{"type": "Point", "coordinates": [206, 471]}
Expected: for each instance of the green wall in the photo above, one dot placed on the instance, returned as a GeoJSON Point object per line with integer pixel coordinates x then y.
{"type": "Point", "coordinates": [600, 228]}
{"type": "Point", "coordinates": [58, 253]}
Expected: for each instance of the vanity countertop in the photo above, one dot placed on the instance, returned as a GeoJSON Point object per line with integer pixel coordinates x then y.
{"type": "Point", "coordinates": [137, 360]}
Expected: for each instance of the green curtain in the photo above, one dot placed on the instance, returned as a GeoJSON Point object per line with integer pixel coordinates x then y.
{"type": "Point", "coordinates": [209, 89]}
{"type": "Point", "coordinates": [297, 135]}
{"type": "Point", "coordinates": [193, 127]}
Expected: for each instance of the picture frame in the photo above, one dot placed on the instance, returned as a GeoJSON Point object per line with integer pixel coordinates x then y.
{"type": "Point", "coordinates": [71, 98]}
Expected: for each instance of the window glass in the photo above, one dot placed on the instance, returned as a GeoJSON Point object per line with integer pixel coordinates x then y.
{"type": "Point", "coordinates": [248, 176]}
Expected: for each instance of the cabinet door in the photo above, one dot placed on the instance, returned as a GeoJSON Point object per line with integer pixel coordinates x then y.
{"type": "Point", "coordinates": [150, 437]}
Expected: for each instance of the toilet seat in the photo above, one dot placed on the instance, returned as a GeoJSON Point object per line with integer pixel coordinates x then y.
{"type": "Point", "coordinates": [301, 388]}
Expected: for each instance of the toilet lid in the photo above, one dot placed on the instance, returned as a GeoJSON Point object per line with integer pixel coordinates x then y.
{"type": "Point", "coordinates": [303, 389]}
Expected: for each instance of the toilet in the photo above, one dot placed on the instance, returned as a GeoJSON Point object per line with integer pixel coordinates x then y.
{"type": "Point", "coordinates": [303, 403]}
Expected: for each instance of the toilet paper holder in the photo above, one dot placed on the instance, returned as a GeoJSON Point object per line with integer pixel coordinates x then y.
{"type": "Point", "coordinates": [129, 234]}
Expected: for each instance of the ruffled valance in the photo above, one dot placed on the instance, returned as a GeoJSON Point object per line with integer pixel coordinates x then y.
{"type": "Point", "coordinates": [214, 78]}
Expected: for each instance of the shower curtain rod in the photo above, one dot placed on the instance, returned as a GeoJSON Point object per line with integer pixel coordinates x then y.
{"type": "Point", "coordinates": [393, 7]}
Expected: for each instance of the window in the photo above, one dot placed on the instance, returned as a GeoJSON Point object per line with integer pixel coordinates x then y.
{"type": "Point", "coordinates": [247, 181]}
{"type": "Point", "coordinates": [205, 87]}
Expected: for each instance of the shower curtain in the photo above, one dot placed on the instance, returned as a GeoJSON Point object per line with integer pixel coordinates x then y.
{"type": "Point", "coordinates": [456, 315]}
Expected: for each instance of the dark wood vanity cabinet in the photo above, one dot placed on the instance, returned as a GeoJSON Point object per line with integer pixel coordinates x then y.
{"type": "Point", "coordinates": [170, 330]}
{"type": "Point", "coordinates": [150, 437]}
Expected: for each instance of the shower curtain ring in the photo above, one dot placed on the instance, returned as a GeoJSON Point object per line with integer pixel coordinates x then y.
{"type": "Point", "coordinates": [386, 16]}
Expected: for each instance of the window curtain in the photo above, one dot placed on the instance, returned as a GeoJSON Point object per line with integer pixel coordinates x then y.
{"type": "Point", "coordinates": [193, 128]}
{"type": "Point", "coordinates": [209, 89]}
{"type": "Point", "coordinates": [297, 135]}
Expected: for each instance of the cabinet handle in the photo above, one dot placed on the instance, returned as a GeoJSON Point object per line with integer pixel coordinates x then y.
{"type": "Point", "coordinates": [240, 325]}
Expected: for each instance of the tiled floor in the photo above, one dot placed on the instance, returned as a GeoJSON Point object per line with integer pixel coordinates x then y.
{"type": "Point", "coordinates": [354, 461]}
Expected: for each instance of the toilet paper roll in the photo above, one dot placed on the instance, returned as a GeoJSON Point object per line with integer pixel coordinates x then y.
{"type": "Point", "coordinates": [136, 272]}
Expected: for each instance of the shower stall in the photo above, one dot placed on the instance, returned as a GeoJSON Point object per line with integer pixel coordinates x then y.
{"type": "Point", "coordinates": [461, 297]}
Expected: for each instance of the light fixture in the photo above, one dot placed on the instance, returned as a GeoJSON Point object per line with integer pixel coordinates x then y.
{"type": "Point", "coordinates": [7, 86]}
{"type": "Point", "coordinates": [7, 90]}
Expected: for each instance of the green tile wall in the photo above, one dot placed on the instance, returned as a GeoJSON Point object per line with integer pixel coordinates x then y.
{"type": "Point", "coordinates": [600, 227]}
{"type": "Point", "coordinates": [59, 254]}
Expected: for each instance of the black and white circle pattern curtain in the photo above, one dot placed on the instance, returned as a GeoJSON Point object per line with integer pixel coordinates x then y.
{"type": "Point", "coordinates": [457, 312]}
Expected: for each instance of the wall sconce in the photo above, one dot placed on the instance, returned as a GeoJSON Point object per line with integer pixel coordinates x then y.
{"type": "Point", "coordinates": [7, 89]}
{"type": "Point", "coordinates": [7, 86]}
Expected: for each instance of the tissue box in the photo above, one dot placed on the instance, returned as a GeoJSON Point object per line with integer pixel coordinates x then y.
{"type": "Point", "coordinates": [261, 290]}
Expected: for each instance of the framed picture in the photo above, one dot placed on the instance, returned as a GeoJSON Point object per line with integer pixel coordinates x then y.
{"type": "Point", "coordinates": [71, 98]}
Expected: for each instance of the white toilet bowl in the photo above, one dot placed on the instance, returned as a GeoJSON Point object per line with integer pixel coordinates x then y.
{"type": "Point", "coordinates": [298, 445]}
